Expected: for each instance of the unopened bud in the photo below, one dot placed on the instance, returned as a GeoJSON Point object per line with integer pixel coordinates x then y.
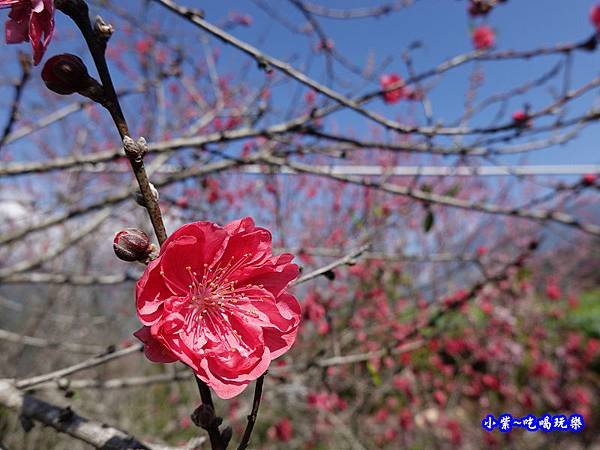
{"type": "Point", "coordinates": [203, 416]}
{"type": "Point", "coordinates": [132, 244]}
{"type": "Point", "coordinates": [521, 119]}
{"type": "Point", "coordinates": [66, 74]}
{"type": "Point", "coordinates": [589, 179]}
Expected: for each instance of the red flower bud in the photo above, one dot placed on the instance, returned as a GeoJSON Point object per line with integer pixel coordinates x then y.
{"type": "Point", "coordinates": [521, 119]}
{"type": "Point", "coordinates": [483, 37]}
{"type": "Point", "coordinates": [65, 74]}
{"type": "Point", "coordinates": [132, 244]}
{"type": "Point", "coordinates": [589, 179]}
{"type": "Point", "coordinates": [203, 416]}
{"type": "Point", "coordinates": [595, 17]}
{"type": "Point", "coordinates": [392, 96]}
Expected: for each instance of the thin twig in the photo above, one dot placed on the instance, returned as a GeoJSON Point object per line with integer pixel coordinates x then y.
{"type": "Point", "coordinates": [265, 60]}
{"type": "Point", "coordinates": [68, 278]}
{"type": "Point", "coordinates": [205, 394]}
{"type": "Point", "coordinates": [96, 41]}
{"type": "Point", "coordinates": [350, 258]}
{"type": "Point", "coordinates": [252, 416]}
{"type": "Point", "coordinates": [57, 219]}
{"type": "Point", "coordinates": [211, 425]}
{"type": "Point", "coordinates": [69, 241]}
{"type": "Point", "coordinates": [115, 383]}
{"type": "Point", "coordinates": [87, 364]}
{"type": "Point", "coordinates": [32, 341]}
{"type": "Point", "coordinates": [25, 63]}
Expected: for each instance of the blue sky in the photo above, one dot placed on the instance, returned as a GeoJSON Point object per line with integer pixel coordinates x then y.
{"type": "Point", "coordinates": [443, 28]}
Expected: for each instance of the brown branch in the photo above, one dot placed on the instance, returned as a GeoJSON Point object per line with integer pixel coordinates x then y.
{"type": "Point", "coordinates": [354, 104]}
{"type": "Point", "coordinates": [114, 383]}
{"type": "Point", "coordinates": [65, 420]}
{"type": "Point", "coordinates": [417, 147]}
{"type": "Point", "coordinates": [96, 39]}
{"type": "Point", "coordinates": [87, 364]}
{"type": "Point", "coordinates": [59, 114]}
{"type": "Point", "coordinates": [323, 39]}
{"type": "Point", "coordinates": [32, 341]}
{"type": "Point", "coordinates": [348, 259]}
{"type": "Point", "coordinates": [266, 60]}
{"type": "Point", "coordinates": [405, 257]}
{"type": "Point", "coordinates": [298, 124]}
{"type": "Point", "coordinates": [583, 45]}
{"type": "Point", "coordinates": [253, 414]}
{"type": "Point", "coordinates": [356, 13]}
{"type": "Point", "coordinates": [15, 169]}
{"type": "Point", "coordinates": [25, 63]}
{"type": "Point", "coordinates": [26, 168]}
{"type": "Point", "coordinates": [204, 416]}
{"type": "Point", "coordinates": [67, 278]}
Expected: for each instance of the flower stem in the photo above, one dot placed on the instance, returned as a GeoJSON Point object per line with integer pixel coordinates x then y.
{"type": "Point", "coordinates": [252, 416]}
{"type": "Point", "coordinates": [212, 427]}
{"type": "Point", "coordinates": [97, 40]}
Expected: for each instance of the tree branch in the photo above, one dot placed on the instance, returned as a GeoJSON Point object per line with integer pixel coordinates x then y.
{"type": "Point", "coordinates": [252, 416]}
{"type": "Point", "coordinates": [92, 362]}
{"type": "Point", "coordinates": [65, 420]}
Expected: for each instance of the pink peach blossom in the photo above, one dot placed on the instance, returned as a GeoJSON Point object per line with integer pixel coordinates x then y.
{"type": "Point", "coordinates": [215, 299]}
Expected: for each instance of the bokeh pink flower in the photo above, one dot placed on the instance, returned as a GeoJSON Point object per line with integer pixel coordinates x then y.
{"type": "Point", "coordinates": [389, 80]}
{"type": "Point", "coordinates": [595, 17]}
{"type": "Point", "coordinates": [483, 37]}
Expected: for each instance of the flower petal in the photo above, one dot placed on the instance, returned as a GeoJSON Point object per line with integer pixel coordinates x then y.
{"type": "Point", "coordinates": [153, 349]}
{"type": "Point", "coordinates": [275, 276]}
{"type": "Point", "coordinates": [246, 249]}
{"type": "Point", "coordinates": [204, 243]}
{"type": "Point", "coordinates": [151, 293]}
{"type": "Point", "coordinates": [17, 26]}
{"type": "Point", "coordinates": [224, 389]}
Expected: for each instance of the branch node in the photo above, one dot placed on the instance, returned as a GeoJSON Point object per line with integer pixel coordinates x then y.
{"type": "Point", "coordinates": [135, 150]}
{"type": "Point", "coordinates": [102, 29]}
{"type": "Point", "coordinates": [139, 197]}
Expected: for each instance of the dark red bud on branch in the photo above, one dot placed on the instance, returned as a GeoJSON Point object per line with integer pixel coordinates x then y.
{"type": "Point", "coordinates": [521, 119]}
{"type": "Point", "coordinates": [203, 416]}
{"type": "Point", "coordinates": [132, 244]}
{"type": "Point", "coordinates": [589, 179]}
{"type": "Point", "coordinates": [65, 74]}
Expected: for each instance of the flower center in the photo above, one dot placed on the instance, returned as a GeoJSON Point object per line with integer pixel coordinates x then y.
{"type": "Point", "coordinates": [214, 298]}
{"type": "Point", "coordinates": [209, 292]}
{"type": "Point", "coordinates": [214, 291]}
